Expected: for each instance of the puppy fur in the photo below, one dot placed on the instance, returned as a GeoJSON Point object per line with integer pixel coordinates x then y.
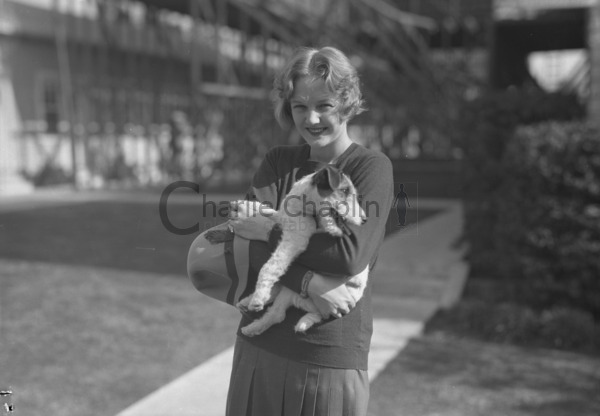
{"type": "Point", "coordinates": [310, 207]}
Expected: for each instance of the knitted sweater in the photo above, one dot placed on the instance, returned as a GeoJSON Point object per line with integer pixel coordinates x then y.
{"type": "Point", "coordinates": [343, 342]}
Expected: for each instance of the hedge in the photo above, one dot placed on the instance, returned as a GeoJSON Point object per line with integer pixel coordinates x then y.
{"type": "Point", "coordinates": [531, 187]}
{"type": "Point", "coordinates": [550, 213]}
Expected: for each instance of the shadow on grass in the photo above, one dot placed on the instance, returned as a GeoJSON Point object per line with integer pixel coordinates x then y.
{"type": "Point", "coordinates": [437, 374]}
{"type": "Point", "coordinates": [121, 235]}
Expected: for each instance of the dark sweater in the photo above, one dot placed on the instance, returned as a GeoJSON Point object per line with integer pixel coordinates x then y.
{"type": "Point", "coordinates": [343, 342]}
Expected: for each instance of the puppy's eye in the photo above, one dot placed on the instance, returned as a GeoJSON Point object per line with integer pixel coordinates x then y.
{"type": "Point", "coordinates": [346, 191]}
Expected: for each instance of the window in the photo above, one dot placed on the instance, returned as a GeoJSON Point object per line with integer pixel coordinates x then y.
{"type": "Point", "coordinates": [49, 102]}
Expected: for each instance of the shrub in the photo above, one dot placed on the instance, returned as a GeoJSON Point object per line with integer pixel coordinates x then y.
{"type": "Point", "coordinates": [532, 199]}
{"type": "Point", "coordinates": [552, 192]}
{"type": "Point", "coordinates": [511, 323]}
{"type": "Point", "coordinates": [118, 169]}
{"type": "Point", "coordinates": [569, 329]}
{"type": "Point", "coordinates": [49, 175]}
{"type": "Point", "coordinates": [486, 129]}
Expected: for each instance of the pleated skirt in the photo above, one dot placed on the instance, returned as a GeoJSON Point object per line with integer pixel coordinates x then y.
{"type": "Point", "coordinates": [265, 384]}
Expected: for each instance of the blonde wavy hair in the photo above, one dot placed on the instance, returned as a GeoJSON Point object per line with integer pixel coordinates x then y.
{"type": "Point", "coordinates": [328, 64]}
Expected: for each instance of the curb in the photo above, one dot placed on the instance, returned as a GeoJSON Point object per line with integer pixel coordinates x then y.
{"type": "Point", "coordinates": [458, 274]}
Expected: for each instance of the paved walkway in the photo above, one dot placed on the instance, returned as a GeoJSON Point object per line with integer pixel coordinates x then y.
{"type": "Point", "coordinates": [419, 271]}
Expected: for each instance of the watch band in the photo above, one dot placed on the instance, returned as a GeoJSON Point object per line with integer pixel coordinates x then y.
{"type": "Point", "coordinates": [305, 281]}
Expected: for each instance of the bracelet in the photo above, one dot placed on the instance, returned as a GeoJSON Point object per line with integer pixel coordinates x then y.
{"type": "Point", "coordinates": [305, 281]}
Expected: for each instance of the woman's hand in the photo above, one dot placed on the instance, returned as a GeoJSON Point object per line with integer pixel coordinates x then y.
{"type": "Point", "coordinates": [252, 228]}
{"type": "Point", "coordinates": [330, 295]}
{"type": "Point", "coordinates": [251, 219]}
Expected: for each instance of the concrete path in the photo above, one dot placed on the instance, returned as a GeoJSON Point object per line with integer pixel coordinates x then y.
{"type": "Point", "coordinates": [419, 271]}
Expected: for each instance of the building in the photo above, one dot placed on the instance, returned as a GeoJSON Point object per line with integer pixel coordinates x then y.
{"type": "Point", "coordinates": [510, 31]}
{"type": "Point", "coordinates": [89, 90]}
{"type": "Point", "coordinates": [90, 87]}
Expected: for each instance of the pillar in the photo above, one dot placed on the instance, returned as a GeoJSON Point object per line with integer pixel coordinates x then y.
{"type": "Point", "coordinates": [594, 51]}
{"type": "Point", "coordinates": [11, 181]}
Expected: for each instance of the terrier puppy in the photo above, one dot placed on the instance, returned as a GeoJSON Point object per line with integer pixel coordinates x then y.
{"type": "Point", "coordinates": [314, 201]}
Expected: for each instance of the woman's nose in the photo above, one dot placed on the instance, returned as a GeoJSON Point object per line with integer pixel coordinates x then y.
{"type": "Point", "coordinates": [313, 117]}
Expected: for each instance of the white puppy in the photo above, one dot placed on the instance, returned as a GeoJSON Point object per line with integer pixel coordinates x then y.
{"type": "Point", "coordinates": [310, 207]}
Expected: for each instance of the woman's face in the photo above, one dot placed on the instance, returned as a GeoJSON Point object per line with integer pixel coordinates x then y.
{"type": "Point", "coordinates": [315, 113]}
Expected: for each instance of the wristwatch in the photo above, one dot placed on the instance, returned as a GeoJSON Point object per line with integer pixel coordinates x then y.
{"type": "Point", "coordinates": [305, 281]}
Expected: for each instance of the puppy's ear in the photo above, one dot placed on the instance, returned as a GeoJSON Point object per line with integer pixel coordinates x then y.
{"type": "Point", "coordinates": [327, 180]}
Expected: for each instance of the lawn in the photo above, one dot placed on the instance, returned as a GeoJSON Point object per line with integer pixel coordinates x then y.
{"type": "Point", "coordinates": [120, 235]}
{"type": "Point", "coordinates": [439, 374]}
{"type": "Point", "coordinates": [79, 341]}
{"type": "Point", "coordinates": [96, 310]}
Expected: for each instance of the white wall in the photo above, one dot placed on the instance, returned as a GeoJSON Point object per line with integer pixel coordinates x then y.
{"type": "Point", "coordinates": [10, 180]}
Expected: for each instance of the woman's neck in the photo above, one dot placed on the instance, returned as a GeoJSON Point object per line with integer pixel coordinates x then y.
{"type": "Point", "coordinates": [330, 153]}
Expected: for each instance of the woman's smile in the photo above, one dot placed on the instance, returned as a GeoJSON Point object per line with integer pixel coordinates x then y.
{"type": "Point", "coordinates": [316, 131]}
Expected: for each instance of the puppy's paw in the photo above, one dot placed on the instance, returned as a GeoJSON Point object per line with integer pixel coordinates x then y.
{"type": "Point", "coordinates": [335, 231]}
{"type": "Point", "coordinates": [258, 300]}
{"type": "Point", "coordinates": [252, 330]}
{"type": "Point", "coordinates": [330, 226]}
{"type": "Point", "coordinates": [248, 331]}
{"type": "Point", "coordinates": [301, 327]}
{"type": "Point", "coordinates": [256, 305]}
{"type": "Point", "coordinates": [242, 305]}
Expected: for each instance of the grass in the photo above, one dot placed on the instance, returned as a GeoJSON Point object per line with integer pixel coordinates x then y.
{"type": "Point", "coordinates": [121, 235]}
{"type": "Point", "coordinates": [81, 341]}
{"type": "Point", "coordinates": [96, 310]}
{"type": "Point", "coordinates": [439, 374]}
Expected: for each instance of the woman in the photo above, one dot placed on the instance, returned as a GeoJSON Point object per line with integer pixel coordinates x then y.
{"type": "Point", "coordinates": [322, 372]}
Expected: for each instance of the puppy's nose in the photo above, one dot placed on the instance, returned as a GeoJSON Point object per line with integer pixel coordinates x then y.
{"type": "Point", "coordinates": [363, 220]}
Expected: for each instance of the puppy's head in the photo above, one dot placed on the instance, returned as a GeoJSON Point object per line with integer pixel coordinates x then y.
{"type": "Point", "coordinates": [336, 191]}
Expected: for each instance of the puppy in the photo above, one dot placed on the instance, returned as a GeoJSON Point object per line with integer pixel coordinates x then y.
{"type": "Point", "coordinates": [311, 206]}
